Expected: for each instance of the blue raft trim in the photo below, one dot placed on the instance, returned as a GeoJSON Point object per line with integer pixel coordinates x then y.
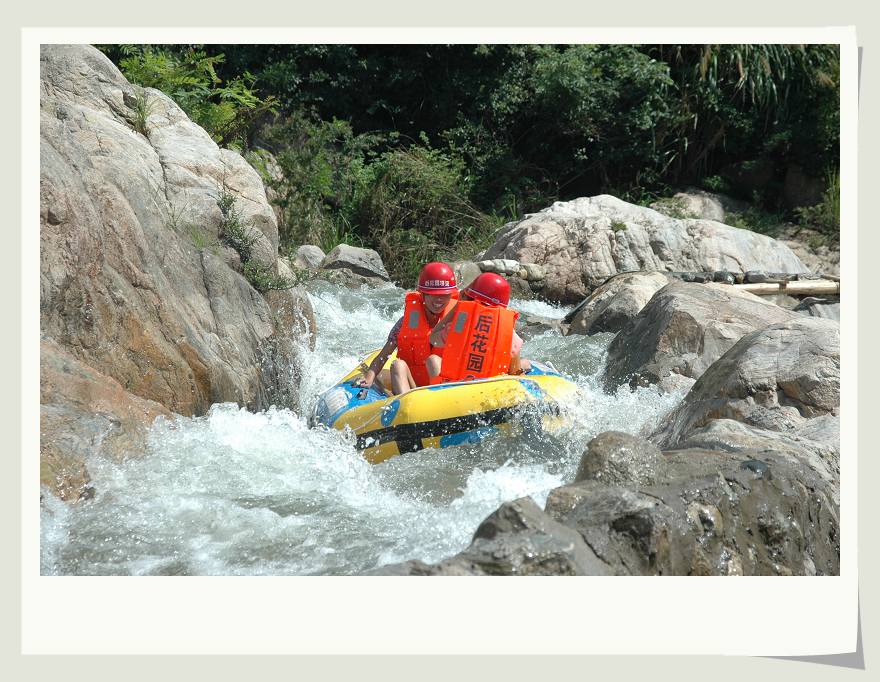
{"type": "Point", "coordinates": [372, 395]}
{"type": "Point", "coordinates": [533, 388]}
{"type": "Point", "coordinates": [389, 412]}
{"type": "Point", "coordinates": [467, 437]}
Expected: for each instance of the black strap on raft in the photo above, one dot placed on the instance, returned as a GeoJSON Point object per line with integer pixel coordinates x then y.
{"type": "Point", "coordinates": [409, 436]}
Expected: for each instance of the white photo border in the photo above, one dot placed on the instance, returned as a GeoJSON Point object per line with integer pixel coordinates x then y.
{"type": "Point", "coordinates": [794, 616]}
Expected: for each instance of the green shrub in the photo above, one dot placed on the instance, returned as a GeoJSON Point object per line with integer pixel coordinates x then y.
{"type": "Point", "coordinates": [756, 219]}
{"type": "Point", "coordinates": [409, 203]}
{"type": "Point", "coordinates": [415, 206]}
{"type": "Point", "coordinates": [674, 208]}
{"type": "Point", "coordinates": [225, 110]}
{"type": "Point", "coordinates": [824, 216]}
{"type": "Point", "coordinates": [143, 107]}
{"type": "Point", "coordinates": [617, 226]}
{"type": "Point", "coordinates": [564, 121]}
{"type": "Point", "coordinates": [322, 177]}
{"type": "Point", "coordinates": [739, 102]}
{"type": "Point", "coordinates": [263, 279]}
{"type": "Point", "coordinates": [532, 123]}
{"type": "Point", "coordinates": [715, 183]}
{"type": "Point", "coordinates": [233, 232]}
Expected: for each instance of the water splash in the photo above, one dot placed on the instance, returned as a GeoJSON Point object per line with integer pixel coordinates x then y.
{"type": "Point", "coordinates": [238, 493]}
{"type": "Point", "coordinates": [548, 310]}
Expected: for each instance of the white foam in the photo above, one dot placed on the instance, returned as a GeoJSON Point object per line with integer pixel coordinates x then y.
{"type": "Point", "coordinates": [542, 308]}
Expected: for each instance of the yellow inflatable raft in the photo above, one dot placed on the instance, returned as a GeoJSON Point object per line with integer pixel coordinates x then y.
{"type": "Point", "coordinates": [442, 415]}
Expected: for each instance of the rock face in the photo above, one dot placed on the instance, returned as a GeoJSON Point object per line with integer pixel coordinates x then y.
{"type": "Point", "coordinates": [82, 413]}
{"type": "Point", "coordinates": [365, 262]}
{"type": "Point", "coordinates": [581, 243]}
{"type": "Point", "coordinates": [610, 307]}
{"type": "Point", "coordinates": [708, 513]}
{"type": "Point", "coordinates": [280, 356]}
{"type": "Point", "coordinates": [134, 284]}
{"type": "Point", "coordinates": [683, 329]}
{"type": "Point", "coordinates": [743, 478]}
{"type": "Point", "coordinates": [776, 389]}
{"type": "Point", "coordinates": [517, 539]}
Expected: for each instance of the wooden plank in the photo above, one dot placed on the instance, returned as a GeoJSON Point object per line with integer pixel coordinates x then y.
{"type": "Point", "coordinates": [816, 287]}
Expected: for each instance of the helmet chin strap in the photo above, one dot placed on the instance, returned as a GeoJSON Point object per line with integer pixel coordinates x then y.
{"type": "Point", "coordinates": [485, 299]}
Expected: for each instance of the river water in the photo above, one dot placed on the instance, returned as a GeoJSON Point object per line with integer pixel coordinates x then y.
{"type": "Point", "coordinates": [239, 493]}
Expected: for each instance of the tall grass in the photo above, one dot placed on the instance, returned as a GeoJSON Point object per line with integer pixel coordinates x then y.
{"type": "Point", "coordinates": [233, 232]}
{"type": "Point", "coordinates": [143, 107]}
{"type": "Point", "coordinates": [825, 216]}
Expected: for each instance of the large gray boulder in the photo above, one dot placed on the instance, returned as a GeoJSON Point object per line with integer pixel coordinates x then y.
{"type": "Point", "coordinates": [134, 283]}
{"type": "Point", "coordinates": [708, 513]}
{"type": "Point", "coordinates": [528, 325]}
{"type": "Point", "coordinates": [610, 307]}
{"type": "Point", "coordinates": [617, 458]}
{"type": "Point", "coordinates": [517, 539]}
{"type": "Point", "coordinates": [698, 512]}
{"type": "Point", "coordinates": [364, 262]}
{"type": "Point", "coordinates": [465, 272]}
{"type": "Point", "coordinates": [684, 329]}
{"type": "Point", "coordinates": [581, 243]}
{"type": "Point", "coordinates": [776, 389]}
{"type": "Point", "coordinates": [309, 256]}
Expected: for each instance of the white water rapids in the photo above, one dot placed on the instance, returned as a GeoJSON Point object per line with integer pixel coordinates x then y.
{"type": "Point", "coordinates": [238, 493]}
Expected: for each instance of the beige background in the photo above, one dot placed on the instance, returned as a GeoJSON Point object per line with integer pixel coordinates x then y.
{"type": "Point", "coordinates": [448, 13]}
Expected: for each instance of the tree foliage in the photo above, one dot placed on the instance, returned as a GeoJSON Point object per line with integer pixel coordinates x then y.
{"type": "Point", "coordinates": [427, 146]}
{"type": "Point", "coordinates": [742, 102]}
{"type": "Point", "coordinates": [226, 110]}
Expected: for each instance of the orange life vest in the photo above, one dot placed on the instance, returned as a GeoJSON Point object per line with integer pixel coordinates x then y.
{"type": "Point", "coordinates": [478, 344]}
{"type": "Point", "coordinates": [412, 341]}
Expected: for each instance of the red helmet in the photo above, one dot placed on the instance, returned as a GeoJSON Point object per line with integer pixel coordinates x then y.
{"type": "Point", "coordinates": [436, 278]}
{"type": "Point", "coordinates": [490, 289]}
